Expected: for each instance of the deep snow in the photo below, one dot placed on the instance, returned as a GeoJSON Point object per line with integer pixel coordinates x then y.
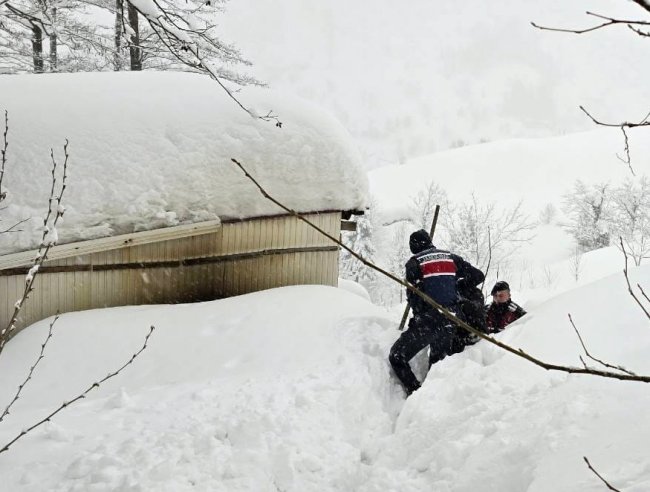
{"type": "Point", "coordinates": [289, 389]}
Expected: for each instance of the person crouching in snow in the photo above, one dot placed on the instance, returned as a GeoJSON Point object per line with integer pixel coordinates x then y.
{"type": "Point", "coordinates": [436, 272]}
{"type": "Point", "coordinates": [503, 310]}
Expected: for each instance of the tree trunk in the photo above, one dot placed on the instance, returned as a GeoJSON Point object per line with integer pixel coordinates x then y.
{"type": "Point", "coordinates": [134, 50]}
{"type": "Point", "coordinates": [119, 19]}
{"type": "Point", "coordinates": [54, 62]}
{"type": "Point", "coordinates": [37, 48]}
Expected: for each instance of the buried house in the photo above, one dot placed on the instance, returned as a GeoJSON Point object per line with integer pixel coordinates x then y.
{"type": "Point", "coordinates": [155, 211]}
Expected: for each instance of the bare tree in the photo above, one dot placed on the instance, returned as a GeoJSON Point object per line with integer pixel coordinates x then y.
{"type": "Point", "coordinates": [481, 232]}
{"type": "Point", "coordinates": [576, 260]}
{"type": "Point", "coordinates": [424, 204]}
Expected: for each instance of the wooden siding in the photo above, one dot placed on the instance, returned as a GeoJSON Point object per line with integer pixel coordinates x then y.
{"type": "Point", "coordinates": [237, 258]}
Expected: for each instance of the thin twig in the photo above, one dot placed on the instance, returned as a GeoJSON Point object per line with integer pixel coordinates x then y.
{"type": "Point", "coordinates": [442, 310]}
{"type": "Point", "coordinates": [599, 475]}
{"type": "Point", "coordinates": [44, 246]}
{"type": "Point", "coordinates": [627, 280]}
{"type": "Point", "coordinates": [31, 370]}
{"type": "Point", "coordinates": [625, 124]}
{"type": "Point", "coordinates": [13, 227]}
{"type": "Point", "coordinates": [609, 21]}
{"type": "Point", "coordinates": [487, 268]}
{"type": "Point", "coordinates": [80, 396]}
{"type": "Point", "coordinates": [627, 160]}
{"type": "Point", "coordinates": [643, 292]}
{"type": "Point", "coordinates": [3, 194]}
{"type": "Point", "coordinates": [618, 368]}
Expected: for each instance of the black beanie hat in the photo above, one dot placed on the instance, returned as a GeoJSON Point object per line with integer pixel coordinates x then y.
{"type": "Point", "coordinates": [499, 286]}
{"type": "Point", "coordinates": [419, 241]}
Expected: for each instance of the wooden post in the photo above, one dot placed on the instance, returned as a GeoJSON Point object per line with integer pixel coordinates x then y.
{"type": "Point", "coordinates": [408, 307]}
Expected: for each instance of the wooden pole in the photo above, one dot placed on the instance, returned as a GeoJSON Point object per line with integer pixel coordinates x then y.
{"type": "Point", "coordinates": [433, 229]}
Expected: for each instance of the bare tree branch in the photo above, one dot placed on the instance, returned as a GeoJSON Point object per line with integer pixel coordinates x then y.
{"type": "Point", "coordinates": [644, 34]}
{"type": "Point", "coordinates": [627, 159]}
{"type": "Point", "coordinates": [643, 292]}
{"type": "Point", "coordinates": [31, 370]}
{"type": "Point", "coordinates": [78, 397]}
{"type": "Point", "coordinates": [599, 476]}
{"type": "Point", "coordinates": [47, 241]}
{"type": "Point", "coordinates": [622, 126]}
{"type": "Point", "coordinates": [625, 124]}
{"type": "Point", "coordinates": [442, 310]}
{"type": "Point", "coordinates": [487, 268]}
{"type": "Point", "coordinates": [3, 194]}
{"type": "Point", "coordinates": [609, 21]}
{"type": "Point", "coordinates": [627, 280]}
{"type": "Point", "coordinates": [618, 368]}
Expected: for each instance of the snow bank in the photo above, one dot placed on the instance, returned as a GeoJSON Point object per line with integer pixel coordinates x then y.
{"type": "Point", "coordinates": [289, 389]}
{"type": "Point", "coordinates": [354, 287]}
{"type": "Point", "coordinates": [150, 150]}
{"type": "Point", "coordinates": [487, 420]}
{"type": "Point", "coordinates": [289, 394]}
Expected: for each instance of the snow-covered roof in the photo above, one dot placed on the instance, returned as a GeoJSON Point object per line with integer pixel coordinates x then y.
{"type": "Point", "coordinates": [153, 149]}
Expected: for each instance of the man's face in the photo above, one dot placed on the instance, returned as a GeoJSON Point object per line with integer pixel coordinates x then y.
{"type": "Point", "coordinates": [501, 296]}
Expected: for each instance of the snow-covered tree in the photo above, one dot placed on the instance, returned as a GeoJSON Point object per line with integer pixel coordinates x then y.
{"type": "Point", "coordinates": [548, 214]}
{"type": "Point", "coordinates": [631, 216]}
{"type": "Point", "coordinates": [361, 242]}
{"type": "Point", "coordinates": [398, 254]}
{"type": "Point", "coordinates": [59, 35]}
{"type": "Point", "coordinates": [588, 210]}
{"type": "Point", "coordinates": [51, 36]}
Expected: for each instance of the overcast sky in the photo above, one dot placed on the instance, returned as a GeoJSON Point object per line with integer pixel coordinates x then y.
{"type": "Point", "coordinates": [411, 80]}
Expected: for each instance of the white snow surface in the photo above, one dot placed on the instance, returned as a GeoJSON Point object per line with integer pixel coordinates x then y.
{"type": "Point", "coordinates": [150, 150]}
{"type": "Point", "coordinates": [535, 171]}
{"type": "Point", "coordinates": [289, 389]}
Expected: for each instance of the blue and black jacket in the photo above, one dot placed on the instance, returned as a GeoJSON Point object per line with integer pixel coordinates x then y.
{"type": "Point", "coordinates": [439, 274]}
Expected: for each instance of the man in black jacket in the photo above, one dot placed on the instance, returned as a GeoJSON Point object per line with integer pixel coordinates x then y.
{"type": "Point", "coordinates": [439, 274]}
{"type": "Point", "coordinates": [503, 309]}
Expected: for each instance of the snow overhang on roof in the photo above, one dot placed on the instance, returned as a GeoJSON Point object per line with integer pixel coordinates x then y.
{"type": "Point", "coordinates": [153, 149]}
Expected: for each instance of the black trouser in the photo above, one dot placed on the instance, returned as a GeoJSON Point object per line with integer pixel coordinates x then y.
{"type": "Point", "coordinates": [433, 330]}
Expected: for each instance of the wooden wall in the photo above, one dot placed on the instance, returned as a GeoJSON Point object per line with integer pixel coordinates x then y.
{"type": "Point", "coordinates": [240, 257]}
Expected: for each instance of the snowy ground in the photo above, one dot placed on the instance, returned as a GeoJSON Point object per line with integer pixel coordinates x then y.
{"type": "Point", "coordinates": [289, 389]}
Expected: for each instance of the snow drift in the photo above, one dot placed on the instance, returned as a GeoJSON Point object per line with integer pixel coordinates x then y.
{"type": "Point", "coordinates": [150, 150]}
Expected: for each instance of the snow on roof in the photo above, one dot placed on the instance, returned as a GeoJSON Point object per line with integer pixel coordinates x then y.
{"type": "Point", "coordinates": [153, 149]}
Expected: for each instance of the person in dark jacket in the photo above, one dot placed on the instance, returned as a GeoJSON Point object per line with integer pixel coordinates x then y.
{"type": "Point", "coordinates": [503, 310]}
{"type": "Point", "coordinates": [438, 273]}
{"type": "Point", "coordinates": [471, 309]}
